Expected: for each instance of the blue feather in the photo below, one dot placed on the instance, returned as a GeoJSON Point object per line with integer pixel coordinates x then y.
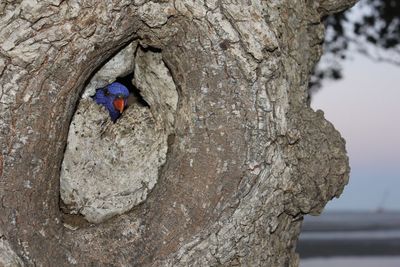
{"type": "Point", "coordinates": [106, 96]}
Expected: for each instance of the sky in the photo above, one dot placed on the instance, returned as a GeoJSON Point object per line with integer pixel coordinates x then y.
{"type": "Point", "coordinates": [365, 108]}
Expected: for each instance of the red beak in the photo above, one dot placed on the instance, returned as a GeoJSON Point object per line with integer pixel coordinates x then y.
{"type": "Point", "coordinates": [119, 104]}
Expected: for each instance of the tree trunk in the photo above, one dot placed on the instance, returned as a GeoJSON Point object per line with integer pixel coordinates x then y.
{"type": "Point", "coordinates": [247, 157]}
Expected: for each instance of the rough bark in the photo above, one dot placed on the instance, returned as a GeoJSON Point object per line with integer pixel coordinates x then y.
{"type": "Point", "coordinates": [247, 157]}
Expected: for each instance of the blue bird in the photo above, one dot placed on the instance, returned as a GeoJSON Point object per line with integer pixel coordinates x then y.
{"type": "Point", "coordinates": [114, 97]}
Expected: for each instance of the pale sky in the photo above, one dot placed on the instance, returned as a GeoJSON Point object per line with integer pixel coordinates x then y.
{"type": "Point", "coordinates": [365, 108]}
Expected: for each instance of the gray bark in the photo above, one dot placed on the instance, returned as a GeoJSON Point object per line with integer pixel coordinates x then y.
{"type": "Point", "coordinates": [247, 157]}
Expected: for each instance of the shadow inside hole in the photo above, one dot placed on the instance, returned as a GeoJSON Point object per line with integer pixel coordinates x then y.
{"type": "Point", "coordinates": [135, 96]}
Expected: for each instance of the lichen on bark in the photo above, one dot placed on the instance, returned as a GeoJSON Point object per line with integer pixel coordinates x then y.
{"type": "Point", "coordinates": [248, 156]}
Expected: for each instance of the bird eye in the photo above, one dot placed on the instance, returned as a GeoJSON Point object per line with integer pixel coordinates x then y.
{"type": "Point", "coordinates": [106, 92]}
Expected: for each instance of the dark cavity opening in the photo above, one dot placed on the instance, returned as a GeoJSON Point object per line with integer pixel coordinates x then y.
{"type": "Point", "coordinates": [135, 96]}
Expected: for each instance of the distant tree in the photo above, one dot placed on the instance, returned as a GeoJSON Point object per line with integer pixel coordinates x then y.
{"type": "Point", "coordinates": [371, 28]}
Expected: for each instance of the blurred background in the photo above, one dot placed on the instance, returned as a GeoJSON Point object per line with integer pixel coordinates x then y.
{"type": "Point", "coordinates": [357, 85]}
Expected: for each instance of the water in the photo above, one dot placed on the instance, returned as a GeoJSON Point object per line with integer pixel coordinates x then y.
{"type": "Point", "coordinates": [348, 221]}
{"type": "Point", "coordinates": [352, 235]}
{"type": "Point", "coordinates": [349, 235]}
{"type": "Point", "coordinates": [351, 262]}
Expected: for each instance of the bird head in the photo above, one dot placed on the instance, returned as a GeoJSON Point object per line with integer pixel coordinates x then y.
{"type": "Point", "coordinates": [114, 97]}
